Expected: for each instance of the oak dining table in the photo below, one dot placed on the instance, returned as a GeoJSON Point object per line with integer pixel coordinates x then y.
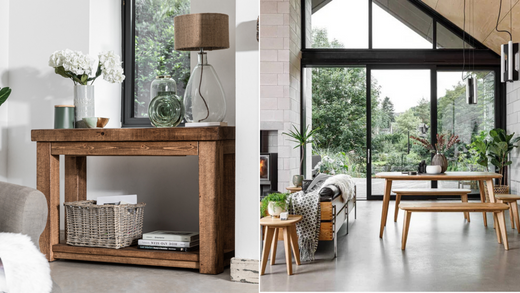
{"type": "Point", "coordinates": [481, 177]}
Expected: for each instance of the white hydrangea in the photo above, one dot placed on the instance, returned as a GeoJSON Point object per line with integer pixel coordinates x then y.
{"type": "Point", "coordinates": [110, 64]}
{"type": "Point", "coordinates": [80, 64]}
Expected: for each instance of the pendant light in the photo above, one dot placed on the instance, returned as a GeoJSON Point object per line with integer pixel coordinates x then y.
{"type": "Point", "coordinates": [471, 79]}
{"type": "Point", "coordinates": [509, 59]}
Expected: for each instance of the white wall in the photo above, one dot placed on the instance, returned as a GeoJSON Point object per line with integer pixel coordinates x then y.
{"type": "Point", "coordinates": [4, 81]}
{"type": "Point", "coordinates": [513, 125]}
{"type": "Point", "coordinates": [247, 131]}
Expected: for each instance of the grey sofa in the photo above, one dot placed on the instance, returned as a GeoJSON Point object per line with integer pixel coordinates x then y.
{"type": "Point", "coordinates": [22, 210]}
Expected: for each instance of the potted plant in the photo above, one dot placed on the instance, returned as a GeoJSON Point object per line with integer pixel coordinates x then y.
{"type": "Point", "coordinates": [441, 147]}
{"type": "Point", "coordinates": [301, 139]}
{"type": "Point", "coordinates": [498, 151]}
{"type": "Point", "coordinates": [274, 204]}
{"type": "Point", "coordinates": [4, 94]}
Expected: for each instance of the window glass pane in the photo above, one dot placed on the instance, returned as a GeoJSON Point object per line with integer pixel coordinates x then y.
{"type": "Point", "coordinates": [469, 122]}
{"type": "Point", "coordinates": [154, 53]}
{"type": "Point", "coordinates": [339, 24]}
{"type": "Point", "coordinates": [448, 40]}
{"type": "Point", "coordinates": [400, 109]}
{"type": "Point", "coordinates": [400, 25]}
{"type": "Point", "coordinates": [339, 111]}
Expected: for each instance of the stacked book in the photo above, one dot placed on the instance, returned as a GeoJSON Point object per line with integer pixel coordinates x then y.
{"type": "Point", "coordinates": [169, 240]}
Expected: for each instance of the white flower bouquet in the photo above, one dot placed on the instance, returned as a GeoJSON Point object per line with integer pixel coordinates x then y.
{"type": "Point", "coordinates": [83, 68]}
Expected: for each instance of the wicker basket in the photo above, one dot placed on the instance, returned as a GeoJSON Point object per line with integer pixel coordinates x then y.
{"type": "Point", "coordinates": [109, 226]}
{"type": "Point", "coordinates": [499, 189]}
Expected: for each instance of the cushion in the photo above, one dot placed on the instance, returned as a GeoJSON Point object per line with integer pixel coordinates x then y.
{"type": "Point", "coordinates": [329, 193]}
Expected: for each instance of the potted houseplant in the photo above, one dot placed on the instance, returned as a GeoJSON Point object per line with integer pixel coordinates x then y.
{"type": "Point", "coordinates": [274, 204]}
{"type": "Point", "coordinates": [301, 139]}
{"type": "Point", "coordinates": [439, 149]}
{"type": "Point", "coordinates": [499, 147]}
{"type": "Point", "coordinates": [4, 94]}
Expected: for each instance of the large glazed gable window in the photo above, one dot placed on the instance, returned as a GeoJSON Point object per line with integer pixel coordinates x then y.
{"type": "Point", "coordinates": [381, 72]}
{"type": "Point", "coordinates": [148, 46]}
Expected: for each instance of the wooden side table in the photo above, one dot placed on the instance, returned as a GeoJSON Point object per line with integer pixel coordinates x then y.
{"type": "Point", "coordinates": [293, 189]}
{"type": "Point", "coordinates": [215, 147]}
{"type": "Point", "coordinates": [273, 225]}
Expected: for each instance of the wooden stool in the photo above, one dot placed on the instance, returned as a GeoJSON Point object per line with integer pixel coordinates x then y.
{"type": "Point", "coordinates": [511, 199]}
{"type": "Point", "coordinates": [293, 189]}
{"type": "Point", "coordinates": [272, 226]}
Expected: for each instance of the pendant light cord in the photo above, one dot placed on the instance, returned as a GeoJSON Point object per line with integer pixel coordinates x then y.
{"type": "Point", "coordinates": [498, 19]}
{"type": "Point", "coordinates": [200, 85]}
{"type": "Point", "coordinates": [463, 43]}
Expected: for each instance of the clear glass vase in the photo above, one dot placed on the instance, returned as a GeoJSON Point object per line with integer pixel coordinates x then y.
{"type": "Point", "coordinates": [166, 110]}
{"type": "Point", "coordinates": [204, 101]}
{"type": "Point", "coordinates": [162, 83]}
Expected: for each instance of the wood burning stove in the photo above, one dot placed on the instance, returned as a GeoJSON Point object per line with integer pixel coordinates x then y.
{"type": "Point", "coordinates": [268, 173]}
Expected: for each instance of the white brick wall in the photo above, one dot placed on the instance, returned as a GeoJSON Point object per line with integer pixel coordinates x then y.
{"type": "Point", "coordinates": [513, 125]}
{"type": "Point", "coordinates": [280, 35]}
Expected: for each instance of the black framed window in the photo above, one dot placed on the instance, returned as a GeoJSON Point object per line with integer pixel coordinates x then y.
{"type": "Point", "coordinates": [148, 52]}
{"type": "Point", "coordinates": [438, 56]}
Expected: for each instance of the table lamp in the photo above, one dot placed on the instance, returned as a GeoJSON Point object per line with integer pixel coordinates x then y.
{"type": "Point", "coordinates": [204, 98]}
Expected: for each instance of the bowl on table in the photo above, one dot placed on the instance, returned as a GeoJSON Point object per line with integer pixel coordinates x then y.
{"type": "Point", "coordinates": [95, 122]}
{"type": "Point", "coordinates": [433, 169]}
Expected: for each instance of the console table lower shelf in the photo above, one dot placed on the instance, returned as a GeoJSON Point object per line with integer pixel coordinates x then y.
{"type": "Point", "coordinates": [134, 255]}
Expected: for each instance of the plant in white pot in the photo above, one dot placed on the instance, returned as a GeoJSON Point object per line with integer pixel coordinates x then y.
{"type": "Point", "coordinates": [274, 204]}
{"type": "Point", "coordinates": [301, 139]}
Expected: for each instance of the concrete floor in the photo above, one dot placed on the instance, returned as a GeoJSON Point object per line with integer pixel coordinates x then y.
{"type": "Point", "coordinates": [443, 253]}
{"type": "Point", "coordinates": [88, 277]}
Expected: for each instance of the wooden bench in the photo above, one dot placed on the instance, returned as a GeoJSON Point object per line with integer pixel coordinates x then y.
{"type": "Point", "coordinates": [511, 199]}
{"type": "Point", "coordinates": [497, 208]}
{"type": "Point", "coordinates": [429, 191]}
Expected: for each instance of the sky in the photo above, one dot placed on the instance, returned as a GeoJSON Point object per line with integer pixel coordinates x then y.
{"type": "Point", "coordinates": [347, 21]}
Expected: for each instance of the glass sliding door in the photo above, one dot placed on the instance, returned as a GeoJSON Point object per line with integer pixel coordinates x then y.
{"type": "Point", "coordinates": [339, 110]}
{"type": "Point", "coordinates": [400, 105]}
{"type": "Point", "coordinates": [470, 122]}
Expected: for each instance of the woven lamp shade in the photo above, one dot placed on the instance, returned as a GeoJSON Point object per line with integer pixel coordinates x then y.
{"type": "Point", "coordinates": [208, 31]}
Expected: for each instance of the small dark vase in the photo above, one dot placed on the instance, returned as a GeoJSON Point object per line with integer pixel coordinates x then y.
{"type": "Point", "coordinates": [440, 159]}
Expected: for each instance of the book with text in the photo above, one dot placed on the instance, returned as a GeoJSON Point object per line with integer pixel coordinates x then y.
{"type": "Point", "coordinates": [165, 248]}
{"type": "Point", "coordinates": [172, 235]}
{"type": "Point", "coordinates": [167, 243]}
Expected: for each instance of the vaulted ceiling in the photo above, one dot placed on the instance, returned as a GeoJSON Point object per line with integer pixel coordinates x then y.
{"type": "Point", "coordinates": [481, 18]}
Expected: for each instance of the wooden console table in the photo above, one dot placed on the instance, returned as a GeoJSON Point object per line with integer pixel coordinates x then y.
{"type": "Point", "coordinates": [215, 147]}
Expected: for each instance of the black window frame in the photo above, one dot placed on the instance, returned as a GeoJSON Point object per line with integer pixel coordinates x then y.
{"type": "Point", "coordinates": [435, 59]}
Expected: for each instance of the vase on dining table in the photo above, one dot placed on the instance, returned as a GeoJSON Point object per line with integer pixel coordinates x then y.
{"type": "Point", "coordinates": [440, 159]}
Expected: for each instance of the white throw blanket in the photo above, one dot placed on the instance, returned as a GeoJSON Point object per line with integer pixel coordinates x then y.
{"type": "Point", "coordinates": [345, 183]}
{"type": "Point", "coordinates": [26, 269]}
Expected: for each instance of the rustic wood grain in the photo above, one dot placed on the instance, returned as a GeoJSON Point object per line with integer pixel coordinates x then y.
{"type": "Point", "coordinates": [326, 211]}
{"type": "Point", "coordinates": [229, 147]}
{"type": "Point", "coordinates": [181, 148]}
{"type": "Point", "coordinates": [48, 182]}
{"type": "Point", "coordinates": [326, 231]}
{"type": "Point", "coordinates": [229, 201]}
{"type": "Point", "coordinates": [75, 178]}
{"type": "Point", "coordinates": [211, 206]}
{"type": "Point", "coordinates": [129, 260]}
{"type": "Point", "coordinates": [135, 134]}
{"type": "Point", "coordinates": [131, 251]}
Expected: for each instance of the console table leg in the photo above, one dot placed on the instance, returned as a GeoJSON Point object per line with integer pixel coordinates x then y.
{"type": "Point", "coordinates": [229, 202]}
{"type": "Point", "coordinates": [211, 207]}
{"type": "Point", "coordinates": [75, 178]}
{"type": "Point", "coordinates": [48, 182]}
